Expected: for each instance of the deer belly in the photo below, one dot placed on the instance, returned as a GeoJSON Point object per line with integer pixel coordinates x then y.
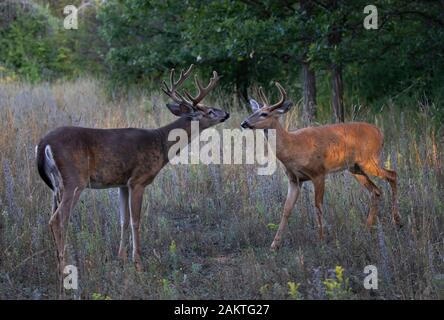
{"type": "Point", "coordinates": [103, 180]}
{"type": "Point", "coordinates": [98, 185]}
{"type": "Point", "coordinates": [338, 169]}
{"type": "Point", "coordinates": [337, 159]}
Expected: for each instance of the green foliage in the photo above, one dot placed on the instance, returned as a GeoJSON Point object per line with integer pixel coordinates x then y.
{"type": "Point", "coordinates": [99, 296]}
{"type": "Point", "coordinates": [338, 287]}
{"type": "Point", "coordinates": [293, 290]}
{"type": "Point", "coordinates": [34, 46]}
{"type": "Point", "coordinates": [258, 42]}
{"type": "Point", "coordinates": [172, 248]}
{"type": "Point", "coordinates": [400, 58]}
{"type": "Point", "coordinates": [168, 290]}
{"type": "Point", "coordinates": [248, 42]}
{"type": "Point", "coordinates": [245, 43]}
{"type": "Point", "coordinates": [143, 38]}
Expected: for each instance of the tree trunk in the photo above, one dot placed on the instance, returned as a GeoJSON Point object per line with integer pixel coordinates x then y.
{"type": "Point", "coordinates": [337, 93]}
{"type": "Point", "coordinates": [309, 93]}
{"type": "Point", "coordinates": [308, 74]}
{"type": "Point", "coordinates": [242, 83]}
{"type": "Point", "coordinates": [337, 88]}
{"type": "Point", "coordinates": [242, 95]}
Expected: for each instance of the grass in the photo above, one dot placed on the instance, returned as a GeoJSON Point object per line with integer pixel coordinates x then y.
{"type": "Point", "coordinates": [206, 230]}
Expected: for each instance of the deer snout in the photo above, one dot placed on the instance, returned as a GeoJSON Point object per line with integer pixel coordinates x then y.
{"type": "Point", "coordinates": [246, 125]}
{"type": "Point", "coordinates": [227, 115]}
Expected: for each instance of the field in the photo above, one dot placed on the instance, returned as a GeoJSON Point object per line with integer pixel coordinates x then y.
{"type": "Point", "coordinates": [206, 230]}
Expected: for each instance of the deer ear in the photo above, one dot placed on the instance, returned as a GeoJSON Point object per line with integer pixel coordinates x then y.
{"type": "Point", "coordinates": [284, 108]}
{"type": "Point", "coordinates": [254, 105]}
{"type": "Point", "coordinates": [177, 109]}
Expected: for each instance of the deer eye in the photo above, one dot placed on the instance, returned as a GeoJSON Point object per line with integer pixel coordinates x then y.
{"type": "Point", "coordinates": [263, 114]}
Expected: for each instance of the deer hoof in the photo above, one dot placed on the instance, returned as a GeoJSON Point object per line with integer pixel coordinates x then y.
{"type": "Point", "coordinates": [122, 255]}
{"type": "Point", "coordinates": [370, 222]}
{"type": "Point", "coordinates": [139, 267]}
{"type": "Point", "coordinates": [274, 246]}
{"type": "Point", "coordinates": [397, 221]}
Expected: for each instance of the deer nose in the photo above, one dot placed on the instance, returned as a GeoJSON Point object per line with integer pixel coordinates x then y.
{"type": "Point", "coordinates": [227, 115]}
{"type": "Point", "coordinates": [245, 124]}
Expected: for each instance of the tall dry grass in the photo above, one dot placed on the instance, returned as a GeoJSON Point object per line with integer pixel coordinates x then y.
{"type": "Point", "coordinates": [206, 230]}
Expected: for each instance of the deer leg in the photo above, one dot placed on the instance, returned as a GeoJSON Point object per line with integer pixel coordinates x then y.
{"type": "Point", "coordinates": [389, 175]}
{"type": "Point", "coordinates": [292, 196]}
{"type": "Point", "coordinates": [135, 200]}
{"type": "Point", "coordinates": [365, 181]}
{"type": "Point", "coordinates": [55, 203]}
{"type": "Point", "coordinates": [319, 185]}
{"type": "Point", "coordinates": [124, 221]}
{"type": "Point", "coordinates": [53, 221]}
{"type": "Point", "coordinates": [59, 221]}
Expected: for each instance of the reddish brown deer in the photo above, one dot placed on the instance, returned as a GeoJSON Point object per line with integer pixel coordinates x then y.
{"type": "Point", "coordinates": [71, 159]}
{"type": "Point", "coordinates": [312, 153]}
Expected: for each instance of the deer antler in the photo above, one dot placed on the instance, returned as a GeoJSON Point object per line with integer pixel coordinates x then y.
{"type": "Point", "coordinates": [202, 91]}
{"type": "Point", "coordinates": [283, 96]}
{"type": "Point", "coordinates": [264, 98]}
{"type": "Point", "coordinates": [174, 85]}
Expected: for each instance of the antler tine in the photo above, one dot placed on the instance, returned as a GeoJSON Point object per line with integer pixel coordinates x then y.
{"type": "Point", "coordinates": [172, 91]}
{"type": "Point", "coordinates": [189, 96]}
{"type": "Point", "coordinates": [283, 96]}
{"type": "Point", "coordinates": [172, 78]}
{"type": "Point", "coordinates": [202, 91]}
{"type": "Point", "coordinates": [263, 97]}
{"type": "Point", "coordinates": [183, 76]}
{"type": "Point", "coordinates": [187, 101]}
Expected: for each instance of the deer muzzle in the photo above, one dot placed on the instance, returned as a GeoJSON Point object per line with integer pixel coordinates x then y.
{"type": "Point", "coordinates": [246, 125]}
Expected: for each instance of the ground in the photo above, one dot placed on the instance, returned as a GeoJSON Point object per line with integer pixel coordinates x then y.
{"type": "Point", "coordinates": [206, 230]}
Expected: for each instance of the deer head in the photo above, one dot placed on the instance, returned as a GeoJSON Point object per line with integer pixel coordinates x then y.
{"type": "Point", "coordinates": [185, 105]}
{"type": "Point", "coordinates": [264, 114]}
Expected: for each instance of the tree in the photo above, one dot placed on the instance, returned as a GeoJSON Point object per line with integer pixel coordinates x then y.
{"type": "Point", "coordinates": [248, 42]}
{"type": "Point", "coordinates": [32, 43]}
{"type": "Point", "coordinates": [308, 72]}
{"type": "Point", "coordinates": [338, 22]}
{"type": "Point", "coordinates": [143, 38]}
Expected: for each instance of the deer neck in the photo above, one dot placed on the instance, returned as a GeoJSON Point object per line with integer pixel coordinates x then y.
{"type": "Point", "coordinates": [282, 137]}
{"type": "Point", "coordinates": [170, 138]}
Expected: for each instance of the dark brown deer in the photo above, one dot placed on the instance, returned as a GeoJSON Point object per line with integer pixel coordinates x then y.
{"type": "Point", "coordinates": [309, 154]}
{"type": "Point", "coordinates": [71, 159]}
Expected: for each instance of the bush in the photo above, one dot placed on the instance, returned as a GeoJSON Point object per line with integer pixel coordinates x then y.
{"type": "Point", "coordinates": [33, 43]}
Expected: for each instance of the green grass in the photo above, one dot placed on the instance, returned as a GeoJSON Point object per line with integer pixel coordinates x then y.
{"type": "Point", "coordinates": [206, 230]}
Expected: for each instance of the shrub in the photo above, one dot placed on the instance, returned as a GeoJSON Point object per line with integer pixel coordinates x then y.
{"type": "Point", "coordinates": [33, 44]}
